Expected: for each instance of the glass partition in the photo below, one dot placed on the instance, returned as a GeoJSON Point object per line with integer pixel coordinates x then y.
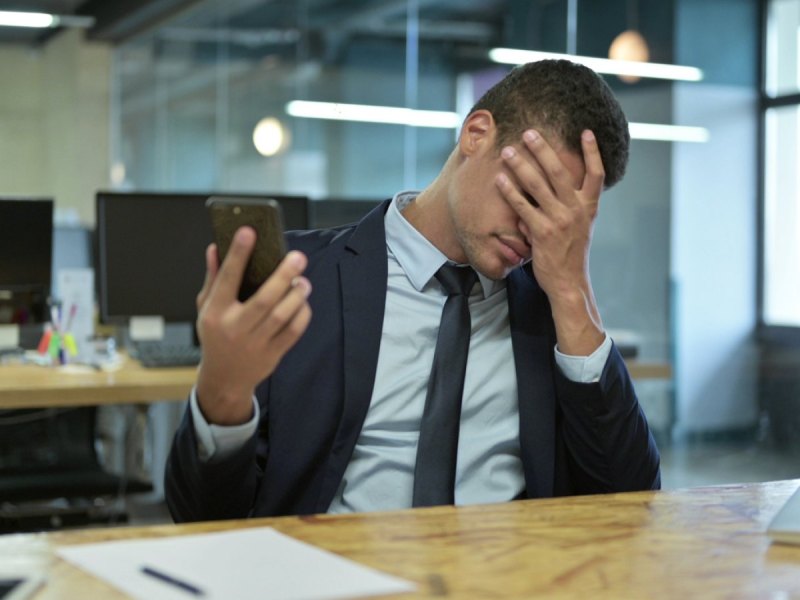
{"type": "Point", "coordinates": [231, 96]}
{"type": "Point", "coordinates": [782, 50]}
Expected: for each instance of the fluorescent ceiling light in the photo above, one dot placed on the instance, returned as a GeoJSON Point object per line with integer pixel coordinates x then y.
{"type": "Point", "coordinates": [374, 114]}
{"type": "Point", "coordinates": [668, 133]}
{"type": "Point", "coordinates": [43, 20]}
{"type": "Point", "coordinates": [511, 56]}
{"type": "Point", "coordinates": [27, 19]}
{"type": "Point", "coordinates": [392, 115]}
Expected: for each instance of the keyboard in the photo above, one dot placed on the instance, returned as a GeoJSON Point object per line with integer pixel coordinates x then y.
{"type": "Point", "coordinates": [156, 354]}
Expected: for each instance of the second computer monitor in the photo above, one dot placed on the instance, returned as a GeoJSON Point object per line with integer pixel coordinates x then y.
{"type": "Point", "coordinates": [150, 257]}
{"type": "Point", "coordinates": [26, 242]}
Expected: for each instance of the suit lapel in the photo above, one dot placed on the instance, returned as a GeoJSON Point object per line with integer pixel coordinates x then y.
{"type": "Point", "coordinates": [362, 278]}
{"type": "Point", "coordinates": [532, 340]}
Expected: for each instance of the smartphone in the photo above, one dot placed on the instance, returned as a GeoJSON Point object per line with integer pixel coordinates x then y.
{"type": "Point", "coordinates": [228, 214]}
{"type": "Point", "coordinates": [18, 586]}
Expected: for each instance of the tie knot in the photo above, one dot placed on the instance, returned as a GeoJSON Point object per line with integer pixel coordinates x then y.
{"type": "Point", "coordinates": [456, 280]}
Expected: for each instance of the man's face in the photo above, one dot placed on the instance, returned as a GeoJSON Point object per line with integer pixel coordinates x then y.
{"type": "Point", "coordinates": [486, 226]}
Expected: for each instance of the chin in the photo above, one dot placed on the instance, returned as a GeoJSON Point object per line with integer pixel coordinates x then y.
{"type": "Point", "coordinates": [496, 269]}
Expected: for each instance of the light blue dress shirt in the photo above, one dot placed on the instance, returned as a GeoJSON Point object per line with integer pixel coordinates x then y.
{"type": "Point", "coordinates": [380, 473]}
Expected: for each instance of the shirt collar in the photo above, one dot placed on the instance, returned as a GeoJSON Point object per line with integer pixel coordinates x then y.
{"type": "Point", "coordinates": [417, 256]}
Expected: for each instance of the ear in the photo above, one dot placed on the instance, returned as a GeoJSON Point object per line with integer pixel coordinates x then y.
{"type": "Point", "coordinates": [477, 133]}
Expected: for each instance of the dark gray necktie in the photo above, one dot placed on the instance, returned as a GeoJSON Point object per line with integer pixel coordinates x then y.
{"type": "Point", "coordinates": [435, 471]}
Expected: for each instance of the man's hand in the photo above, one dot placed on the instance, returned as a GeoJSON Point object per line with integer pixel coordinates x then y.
{"type": "Point", "coordinates": [243, 342]}
{"type": "Point", "coordinates": [557, 201]}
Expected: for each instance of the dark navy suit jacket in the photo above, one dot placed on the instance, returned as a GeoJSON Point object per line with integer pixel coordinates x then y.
{"type": "Point", "coordinates": [575, 438]}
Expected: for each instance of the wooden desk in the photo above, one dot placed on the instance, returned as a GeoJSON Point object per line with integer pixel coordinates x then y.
{"type": "Point", "coordinates": [31, 386]}
{"type": "Point", "coordinates": [703, 542]}
{"type": "Point", "coordinates": [648, 370]}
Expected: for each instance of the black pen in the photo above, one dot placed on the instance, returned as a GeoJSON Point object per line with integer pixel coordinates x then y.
{"type": "Point", "coordinates": [160, 575]}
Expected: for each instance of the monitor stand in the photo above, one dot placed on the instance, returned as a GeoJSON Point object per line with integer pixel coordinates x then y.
{"type": "Point", "coordinates": [181, 334]}
{"type": "Point", "coordinates": [146, 329]}
{"type": "Point", "coordinates": [15, 338]}
{"type": "Point", "coordinates": [9, 336]}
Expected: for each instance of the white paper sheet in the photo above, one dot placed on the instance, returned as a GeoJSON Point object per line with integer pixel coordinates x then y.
{"type": "Point", "coordinates": [244, 564]}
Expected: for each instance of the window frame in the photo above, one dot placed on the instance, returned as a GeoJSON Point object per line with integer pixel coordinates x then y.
{"type": "Point", "coordinates": [781, 334]}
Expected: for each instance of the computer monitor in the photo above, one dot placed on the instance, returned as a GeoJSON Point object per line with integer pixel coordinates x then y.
{"type": "Point", "coordinates": [150, 258]}
{"type": "Point", "coordinates": [26, 247]}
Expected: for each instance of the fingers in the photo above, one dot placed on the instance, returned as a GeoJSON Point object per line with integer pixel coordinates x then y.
{"type": "Point", "coordinates": [284, 331]}
{"type": "Point", "coordinates": [595, 173]}
{"type": "Point", "coordinates": [532, 178]}
{"type": "Point", "coordinates": [228, 278]}
{"type": "Point", "coordinates": [278, 298]}
{"type": "Point", "coordinates": [519, 202]}
{"type": "Point", "coordinates": [556, 172]}
{"type": "Point", "coordinates": [212, 266]}
{"type": "Point", "coordinates": [555, 180]}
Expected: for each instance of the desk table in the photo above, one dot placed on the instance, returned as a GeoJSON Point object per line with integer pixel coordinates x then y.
{"type": "Point", "coordinates": [32, 386]}
{"type": "Point", "coordinates": [703, 542]}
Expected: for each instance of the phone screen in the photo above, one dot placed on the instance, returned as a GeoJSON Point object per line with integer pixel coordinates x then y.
{"type": "Point", "coordinates": [228, 214]}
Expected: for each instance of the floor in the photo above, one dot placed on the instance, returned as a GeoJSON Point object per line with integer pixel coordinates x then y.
{"type": "Point", "coordinates": [693, 464]}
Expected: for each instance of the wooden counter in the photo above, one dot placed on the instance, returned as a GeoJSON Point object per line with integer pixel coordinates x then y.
{"type": "Point", "coordinates": [32, 386]}
{"type": "Point", "coordinates": [702, 543]}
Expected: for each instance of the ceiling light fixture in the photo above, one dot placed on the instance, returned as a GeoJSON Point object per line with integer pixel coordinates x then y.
{"type": "Point", "coordinates": [513, 56]}
{"type": "Point", "coordinates": [270, 137]}
{"type": "Point", "coordinates": [392, 115]}
{"type": "Point", "coordinates": [668, 133]}
{"type": "Point", "coordinates": [26, 19]}
{"type": "Point", "coordinates": [374, 114]}
{"type": "Point", "coordinates": [38, 20]}
{"type": "Point", "coordinates": [630, 44]}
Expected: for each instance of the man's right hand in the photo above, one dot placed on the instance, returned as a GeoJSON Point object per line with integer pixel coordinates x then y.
{"type": "Point", "coordinates": [243, 342]}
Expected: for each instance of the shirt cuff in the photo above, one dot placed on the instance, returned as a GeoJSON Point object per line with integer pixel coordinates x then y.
{"type": "Point", "coordinates": [585, 369]}
{"type": "Point", "coordinates": [220, 441]}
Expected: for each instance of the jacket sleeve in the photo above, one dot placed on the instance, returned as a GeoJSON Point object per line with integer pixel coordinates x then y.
{"type": "Point", "coordinates": [203, 490]}
{"type": "Point", "coordinates": [605, 444]}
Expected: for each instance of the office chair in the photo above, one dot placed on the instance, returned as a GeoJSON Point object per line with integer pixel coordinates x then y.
{"type": "Point", "coordinates": [50, 474]}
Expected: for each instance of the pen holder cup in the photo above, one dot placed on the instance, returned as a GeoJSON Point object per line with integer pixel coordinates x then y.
{"type": "Point", "coordinates": [60, 347]}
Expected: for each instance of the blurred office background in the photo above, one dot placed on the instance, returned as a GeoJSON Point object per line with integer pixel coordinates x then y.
{"type": "Point", "coordinates": [696, 254]}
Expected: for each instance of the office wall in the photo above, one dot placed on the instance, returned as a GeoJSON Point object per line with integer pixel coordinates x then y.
{"type": "Point", "coordinates": [54, 122]}
{"type": "Point", "coordinates": [631, 250]}
{"type": "Point", "coordinates": [714, 261]}
{"type": "Point", "coordinates": [714, 224]}
{"type": "Point", "coordinates": [22, 152]}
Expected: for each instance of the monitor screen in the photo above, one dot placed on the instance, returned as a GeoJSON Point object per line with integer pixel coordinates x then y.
{"type": "Point", "coordinates": [26, 242]}
{"type": "Point", "coordinates": [26, 246]}
{"type": "Point", "coordinates": [150, 258]}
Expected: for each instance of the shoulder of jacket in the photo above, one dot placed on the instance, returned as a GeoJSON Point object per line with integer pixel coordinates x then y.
{"type": "Point", "coordinates": [311, 240]}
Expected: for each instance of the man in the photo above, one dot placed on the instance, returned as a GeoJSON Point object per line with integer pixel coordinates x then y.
{"type": "Point", "coordinates": [294, 414]}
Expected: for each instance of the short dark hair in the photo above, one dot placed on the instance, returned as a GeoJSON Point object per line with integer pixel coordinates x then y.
{"type": "Point", "coordinates": [562, 98]}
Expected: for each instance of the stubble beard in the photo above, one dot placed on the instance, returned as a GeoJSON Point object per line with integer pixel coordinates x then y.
{"type": "Point", "coordinates": [478, 255]}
